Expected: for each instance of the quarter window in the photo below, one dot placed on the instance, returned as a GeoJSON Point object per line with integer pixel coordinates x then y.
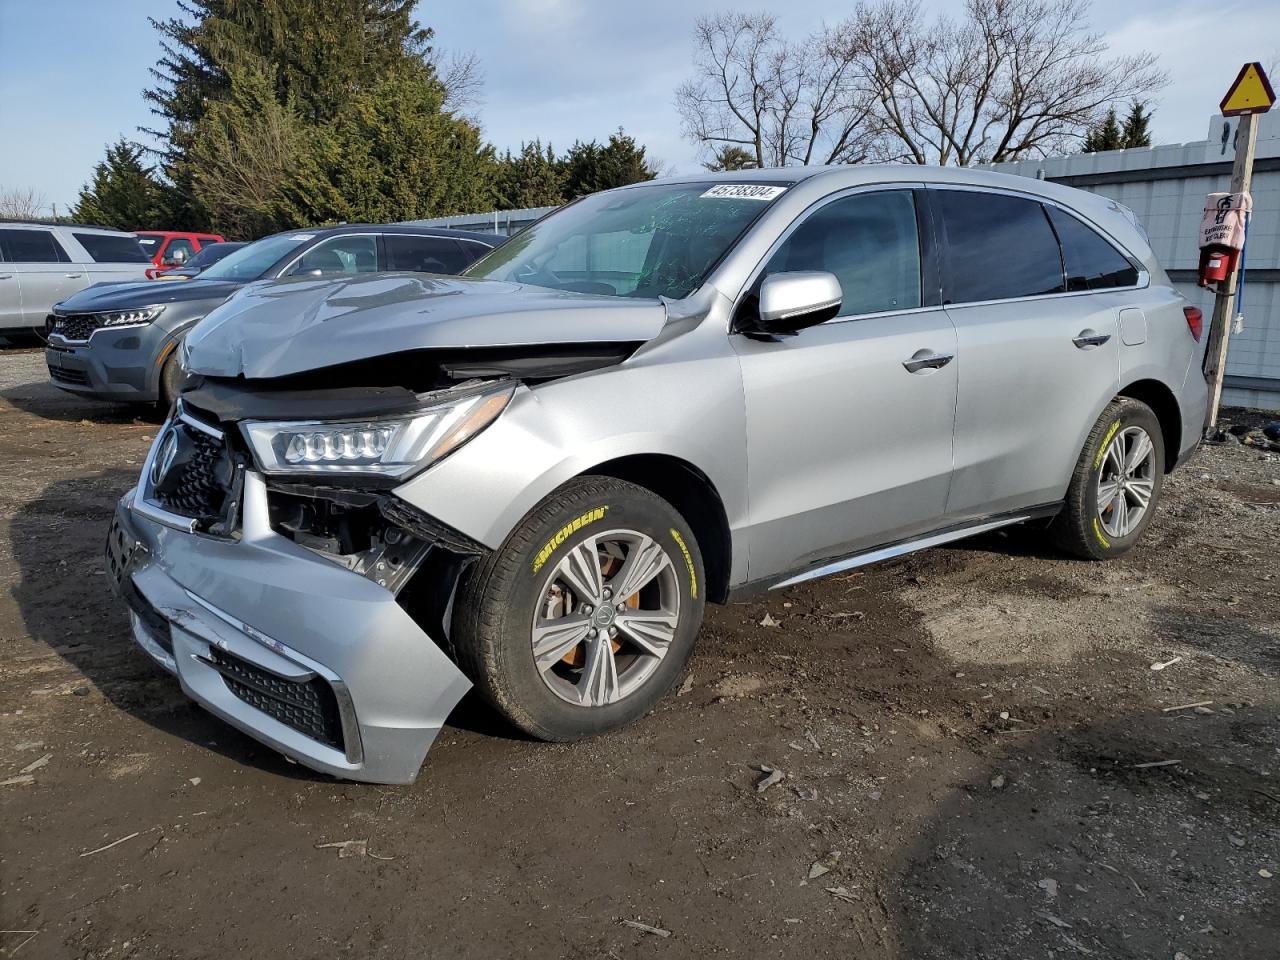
{"type": "Point", "coordinates": [32, 246]}
{"type": "Point", "coordinates": [871, 243]}
{"type": "Point", "coordinates": [112, 248]}
{"type": "Point", "coordinates": [1091, 262]}
{"type": "Point", "coordinates": [353, 254]}
{"type": "Point", "coordinates": [996, 247]}
{"type": "Point", "coordinates": [424, 254]}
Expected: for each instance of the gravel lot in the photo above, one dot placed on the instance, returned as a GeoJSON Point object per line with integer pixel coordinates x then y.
{"type": "Point", "coordinates": [974, 744]}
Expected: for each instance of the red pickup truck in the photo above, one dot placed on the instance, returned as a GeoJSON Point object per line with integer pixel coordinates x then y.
{"type": "Point", "coordinates": [172, 248]}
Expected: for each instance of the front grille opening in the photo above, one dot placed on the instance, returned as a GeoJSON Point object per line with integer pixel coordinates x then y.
{"type": "Point", "coordinates": [61, 375]}
{"type": "Point", "coordinates": [308, 706]}
{"type": "Point", "coordinates": [77, 327]}
{"type": "Point", "coordinates": [195, 476]}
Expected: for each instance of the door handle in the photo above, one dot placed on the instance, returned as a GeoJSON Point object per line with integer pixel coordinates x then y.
{"type": "Point", "coordinates": [927, 360]}
{"type": "Point", "coordinates": [74, 276]}
{"type": "Point", "coordinates": [1087, 339]}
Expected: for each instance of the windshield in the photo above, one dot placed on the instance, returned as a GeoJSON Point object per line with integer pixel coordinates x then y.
{"type": "Point", "coordinates": [644, 242]}
{"type": "Point", "coordinates": [211, 254]}
{"type": "Point", "coordinates": [251, 262]}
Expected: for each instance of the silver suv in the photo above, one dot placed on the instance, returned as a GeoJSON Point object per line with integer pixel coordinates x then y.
{"type": "Point", "coordinates": [41, 264]}
{"type": "Point", "coordinates": [378, 491]}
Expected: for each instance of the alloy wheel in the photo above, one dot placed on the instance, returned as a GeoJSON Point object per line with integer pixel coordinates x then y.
{"type": "Point", "coordinates": [1126, 481]}
{"type": "Point", "coordinates": [605, 618]}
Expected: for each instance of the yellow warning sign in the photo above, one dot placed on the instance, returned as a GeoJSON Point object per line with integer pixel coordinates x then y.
{"type": "Point", "coordinates": [1251, 93]}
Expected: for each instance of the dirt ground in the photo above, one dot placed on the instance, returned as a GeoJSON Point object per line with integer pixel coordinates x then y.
{"type": "Point", "coordinates": [974, 742]}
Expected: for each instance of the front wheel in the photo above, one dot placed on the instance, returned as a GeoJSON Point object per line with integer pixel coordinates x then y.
{"type": "Point", "coordinates": [586, 616]}
{"type": "Point", "coordinates": [1116, 484]}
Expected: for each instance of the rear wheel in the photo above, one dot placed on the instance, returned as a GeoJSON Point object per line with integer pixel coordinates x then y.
{"type": "Point", "coordinates": [586, 616]}
{"type": "Point", "coordinates": [1116, 483]}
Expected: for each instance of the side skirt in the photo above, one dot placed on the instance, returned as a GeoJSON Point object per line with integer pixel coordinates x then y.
{"type": "Point", "coordinates": [897, 549]}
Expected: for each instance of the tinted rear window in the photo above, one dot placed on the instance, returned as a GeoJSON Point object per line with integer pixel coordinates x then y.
{"type": "Point", "coordinates": [112, 248]}
{"type": "Point", "coordinates": [996, 247]}
{"type": "Point", "coordinates": [424, 254]}
{"type": "Point", "coordinates": [1091, 262]}
{"type": "Point", "coordinates": [31, 246]}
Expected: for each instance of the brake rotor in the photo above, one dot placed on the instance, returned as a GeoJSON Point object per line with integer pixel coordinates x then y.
{"type": "Point", "coordinates": [577, 657]}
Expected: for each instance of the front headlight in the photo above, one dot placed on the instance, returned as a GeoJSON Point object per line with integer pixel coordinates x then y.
{"type": "Point", "coordinates": [391, 447]}
{"type": "Point", "coordinates": [128, 318]}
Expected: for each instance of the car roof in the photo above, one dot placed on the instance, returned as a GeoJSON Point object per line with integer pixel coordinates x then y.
{"type": "Point", "coordinates": [49, 224]}
{"type": "Point", "coordinates": [448, 232]}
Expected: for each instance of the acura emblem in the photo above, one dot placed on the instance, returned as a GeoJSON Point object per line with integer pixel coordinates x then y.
{"type": "Point", "coordinates": [166, 451]}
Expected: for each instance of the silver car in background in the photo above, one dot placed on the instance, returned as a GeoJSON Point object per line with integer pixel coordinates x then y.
{"type": "Point", "coordinates": [43, 263]}
{"type": "Point", "coordinates": [378, 491]}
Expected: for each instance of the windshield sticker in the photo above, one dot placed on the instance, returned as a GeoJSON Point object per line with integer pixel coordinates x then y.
{"type": "Point", "coordinates": [744, 191]}
{"type": "Point", "coordinates": [302, 237]}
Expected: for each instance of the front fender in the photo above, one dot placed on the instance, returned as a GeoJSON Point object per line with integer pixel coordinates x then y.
{"type": "Point", "coordinates": [691, 410]}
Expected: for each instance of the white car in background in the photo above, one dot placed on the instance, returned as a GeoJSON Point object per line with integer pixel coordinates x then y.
{"type": "Point", "coordinates": [42, 264]}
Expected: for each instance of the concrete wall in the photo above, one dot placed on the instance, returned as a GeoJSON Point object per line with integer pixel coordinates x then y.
{"type": "Point", "coordinates": [1166, 187]}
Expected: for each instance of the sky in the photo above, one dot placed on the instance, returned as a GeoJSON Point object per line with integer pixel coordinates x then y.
{"type": "Point", "coordinates": [72, 71]}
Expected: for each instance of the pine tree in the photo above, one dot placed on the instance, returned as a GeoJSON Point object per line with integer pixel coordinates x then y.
{"type": "Point", "coordinates": [1137, 126]}
{"type": "Point", "coordinates": [730, 157]}
{"type": "Point", "coordinates": [1106, 136]}
{"type": "Point", "coordinates": [590, 167]}
{"type": "Point", "coordinates": [532, 178]}
{"type": "Point", "coordinates": [123, 193]}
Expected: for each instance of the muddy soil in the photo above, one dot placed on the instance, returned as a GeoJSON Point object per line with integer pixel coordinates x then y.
{"type": "Point", "coordinates": [977, 732]}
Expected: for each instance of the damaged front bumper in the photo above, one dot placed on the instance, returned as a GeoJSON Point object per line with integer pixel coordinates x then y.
{"type": "Point", "coordinates": [314, 660]}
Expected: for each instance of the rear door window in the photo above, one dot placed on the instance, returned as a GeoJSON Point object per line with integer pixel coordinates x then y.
{"type": "Point", "coordinates": [870, 241]}
{"type": "Point", "coordinates": [32, 246]}
{"type": "Point", "coordinates": [1091, 262]}
{"type": "Point", "coordinates": [112, 248]}
{"type": "Point", "coordinates": [179, 250]}
{"type": "Point", "coordinates": [996, 247]}
{"type": "Point", "coordinates": [424, 254]}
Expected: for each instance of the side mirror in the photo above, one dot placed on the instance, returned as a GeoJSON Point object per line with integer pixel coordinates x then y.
{"type": "Point", "coordinates": [789, 302]}
{"type": "Point", "coordinates": [179, 257]}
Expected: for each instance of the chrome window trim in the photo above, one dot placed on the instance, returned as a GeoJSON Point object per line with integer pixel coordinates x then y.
{"type": "Point", "coordinates": [283, 272]}
{"type": "Point", "coordinates": [1144, 276]}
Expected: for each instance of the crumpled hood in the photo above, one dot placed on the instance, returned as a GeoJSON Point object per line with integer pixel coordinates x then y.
{"type": "Point", "coordinates": [274, 329]}
{"type": "Point", "coordinates": [132, 294]}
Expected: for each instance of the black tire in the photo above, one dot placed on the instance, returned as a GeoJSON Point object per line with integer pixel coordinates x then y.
{"type": "Point", "coordinates": [1080, 529]}
{"type": "Point", "coordinates": [496, 605]}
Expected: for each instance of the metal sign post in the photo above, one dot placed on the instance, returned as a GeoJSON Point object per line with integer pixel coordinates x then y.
{"type": "Point", "coordinates": [1249, 96]}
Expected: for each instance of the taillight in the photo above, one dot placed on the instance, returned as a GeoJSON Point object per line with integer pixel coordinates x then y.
{"type": "Point", "coordinates": [1195, 321]}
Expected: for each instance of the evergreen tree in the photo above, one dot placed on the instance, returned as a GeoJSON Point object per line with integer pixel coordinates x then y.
{"type": "Point", "coordinates": [589, 167]}
{"type": "Point", "coordinates": [533, 178]}
{"type": "Point", "coordinates": [1137, 126]}
{"type": "Point", "coordinates": [123, 193]}
{"type": "Point", "coordinates": [730, 157]}
{"type": "Point", "coordinates": [1105, 136]}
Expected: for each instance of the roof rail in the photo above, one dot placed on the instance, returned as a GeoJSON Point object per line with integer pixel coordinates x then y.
{"type": "Point", "coordinates": [49, 222]}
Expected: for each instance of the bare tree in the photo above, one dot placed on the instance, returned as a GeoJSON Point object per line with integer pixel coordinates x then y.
{"type": "Point", "coordinates": [782, 102]}
{"type": "Point", "coordinates": [1008, 79]}
{"type": "Point", "coordinates": [462, 77]}
{"type": "Point", "coordinates": [21, 203]}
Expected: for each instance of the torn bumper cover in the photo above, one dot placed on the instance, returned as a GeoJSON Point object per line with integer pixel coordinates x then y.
{"type": "Point", "coordinates": [314, 660]}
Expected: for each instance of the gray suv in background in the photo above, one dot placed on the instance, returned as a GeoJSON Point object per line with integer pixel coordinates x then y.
{"type": "Point", "coordinates": [120, 342]}
{"type": "Point", "coordinates": [43, 263]}
{"type": "Point", "coordinates": [375, 492]}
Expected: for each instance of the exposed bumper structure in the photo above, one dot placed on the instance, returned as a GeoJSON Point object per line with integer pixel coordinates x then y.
{"type": "Point", "coordinates": [313, 660]}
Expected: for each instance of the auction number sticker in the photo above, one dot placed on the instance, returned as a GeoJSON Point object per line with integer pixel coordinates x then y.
{"type": "Point", "coordinates": [744, 191]}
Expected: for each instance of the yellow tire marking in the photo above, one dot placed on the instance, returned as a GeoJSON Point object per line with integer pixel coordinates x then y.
{"type": "Point", "coordinates": [1097, 530]}
{"type": "Point", "coordinates": [688, 559]}
{"type": "Point", "coordinates": [568, 530]}
{"type": "Point", "coordinates": [1106, 441]}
